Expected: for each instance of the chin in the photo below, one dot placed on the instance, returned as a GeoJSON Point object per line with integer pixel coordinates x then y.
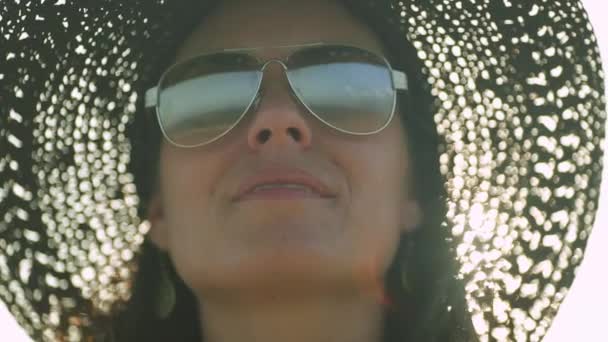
{"type": "Point", "coordinates": [288, 269]}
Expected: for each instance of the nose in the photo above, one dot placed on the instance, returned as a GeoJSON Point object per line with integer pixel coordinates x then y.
{"type": "Point", "coordinates": [278, 119]}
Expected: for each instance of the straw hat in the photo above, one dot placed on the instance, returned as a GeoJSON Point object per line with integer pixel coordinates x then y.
{"type": "Point", "coordinates": [518, 106]}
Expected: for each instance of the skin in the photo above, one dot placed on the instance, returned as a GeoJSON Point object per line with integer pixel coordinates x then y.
{"type": "Point", "coordinates": [289, 270]}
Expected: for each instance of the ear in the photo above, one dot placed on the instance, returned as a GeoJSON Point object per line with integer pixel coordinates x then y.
{"type": "Point", "coordinates": [158, 225]}
{"type": "Point", "coordinates": [411, 215]}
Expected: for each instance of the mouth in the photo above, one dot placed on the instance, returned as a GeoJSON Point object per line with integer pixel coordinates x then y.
{"type": "Point", "coordinates": [286, 191]}
{"type": "Point", "coordinates": [283, 184]}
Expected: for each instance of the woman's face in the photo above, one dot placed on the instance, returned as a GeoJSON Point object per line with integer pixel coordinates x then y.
{"type": "Point", "coordinates": [317, 244]}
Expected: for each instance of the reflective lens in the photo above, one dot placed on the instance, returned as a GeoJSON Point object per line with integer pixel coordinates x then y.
{"type": "Point", "coordinates": [204, 98]}
{"type": "Point", "coordinates": [347, 88]}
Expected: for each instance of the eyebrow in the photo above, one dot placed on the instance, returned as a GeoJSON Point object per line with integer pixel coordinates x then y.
{"type": "Point", "coordinates": [253, 48]}
{"type": "Point", "coordinates": [274, 47]}
{"type": "Point", "coordinates": [382, 51]}
{"type": "Point", "coordinates": [258, 51]}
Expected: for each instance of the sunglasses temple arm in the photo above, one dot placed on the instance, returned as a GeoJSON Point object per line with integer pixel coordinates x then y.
{"type": "Point", "coordinates": [151, 97]}
{"type": "Point", "coordinates": [400, 80]}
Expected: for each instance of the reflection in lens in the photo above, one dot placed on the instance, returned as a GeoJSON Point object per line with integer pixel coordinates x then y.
{"type": "Point", "coordinates": [198, 110]}
{"type": "Point", "coordinates": [350, 89]}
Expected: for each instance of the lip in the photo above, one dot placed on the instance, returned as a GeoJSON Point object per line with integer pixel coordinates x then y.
{"type": "Point", "coordinates": [283, 175]}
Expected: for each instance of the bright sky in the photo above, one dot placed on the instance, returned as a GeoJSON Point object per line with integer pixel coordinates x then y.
{"type": "Point", "coordinates": [584, 313]}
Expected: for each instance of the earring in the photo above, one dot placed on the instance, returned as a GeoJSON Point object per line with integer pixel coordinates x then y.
{"type": "Point", "coordinates": [405, 280]}
{"type": "Point", "coordinates": [165, 296]}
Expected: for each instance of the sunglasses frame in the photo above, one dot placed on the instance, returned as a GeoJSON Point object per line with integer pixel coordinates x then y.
{"type": "Point", "coordinates": [398, 78]}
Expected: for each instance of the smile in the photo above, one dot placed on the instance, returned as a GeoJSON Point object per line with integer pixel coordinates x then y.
{"type": "Point", "coordinates": [280, 192]}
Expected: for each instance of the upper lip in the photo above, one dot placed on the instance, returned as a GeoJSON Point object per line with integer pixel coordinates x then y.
{"type": "Point", "coordinates": [283, 176]}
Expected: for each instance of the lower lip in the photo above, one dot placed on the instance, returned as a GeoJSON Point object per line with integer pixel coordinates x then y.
{"type": "Point", "coordinates": [279, 194]}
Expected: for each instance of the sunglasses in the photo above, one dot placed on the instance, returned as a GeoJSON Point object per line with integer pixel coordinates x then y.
{"type": "Point", "coordinates": [348, 88]}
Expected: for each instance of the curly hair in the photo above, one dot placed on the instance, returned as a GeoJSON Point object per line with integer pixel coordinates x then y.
{"type": "Point", "coordinates": [431, 308]}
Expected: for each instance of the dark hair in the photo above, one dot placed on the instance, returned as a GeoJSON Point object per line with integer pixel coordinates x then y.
{"type": "Point", "coordinates": [433, 308]}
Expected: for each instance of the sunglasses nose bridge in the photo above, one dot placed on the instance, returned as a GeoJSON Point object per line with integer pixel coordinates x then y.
{"type": "Point", "coordinates": [275, 76]}
{"type": "Point", "coordinates": [267, 63]}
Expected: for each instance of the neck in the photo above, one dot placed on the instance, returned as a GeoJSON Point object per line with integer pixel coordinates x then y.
{"type": "Point", "coordinates": [285, 318]}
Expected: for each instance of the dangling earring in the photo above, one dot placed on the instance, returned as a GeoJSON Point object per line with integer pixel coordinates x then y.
{"type": "Point", "coordinates": [405, 280]}
{"type": "Point", "coordinates": [165, 296]}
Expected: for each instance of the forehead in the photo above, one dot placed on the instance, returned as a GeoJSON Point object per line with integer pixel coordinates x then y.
{"type": "Point", "coordinates": [270, 23]}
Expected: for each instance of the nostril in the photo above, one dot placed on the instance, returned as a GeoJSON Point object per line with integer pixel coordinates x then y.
{"type": "Point", "coordinates": [295, 133]}
{"type": "Point", "coordinates": [264, 135]}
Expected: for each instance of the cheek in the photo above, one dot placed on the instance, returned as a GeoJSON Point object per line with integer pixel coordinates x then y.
{"type": "Point", "coordinates": [377, 180]}
{"type": "Point", "coordinates": [375, 218]}
{"type": "Point", "coordinates": [187, 186]}
{"type": "Point", "coordinates": [185, 183]}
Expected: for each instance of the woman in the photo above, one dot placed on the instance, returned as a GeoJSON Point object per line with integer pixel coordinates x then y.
{"type": "Point", "coordinates": [291, 267]}
{"type": "Point", "coordinates": [383, 206]}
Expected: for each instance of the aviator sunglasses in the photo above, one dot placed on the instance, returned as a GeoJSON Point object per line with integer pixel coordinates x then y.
{"type": "Point", "coordinates": [348, 88]}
